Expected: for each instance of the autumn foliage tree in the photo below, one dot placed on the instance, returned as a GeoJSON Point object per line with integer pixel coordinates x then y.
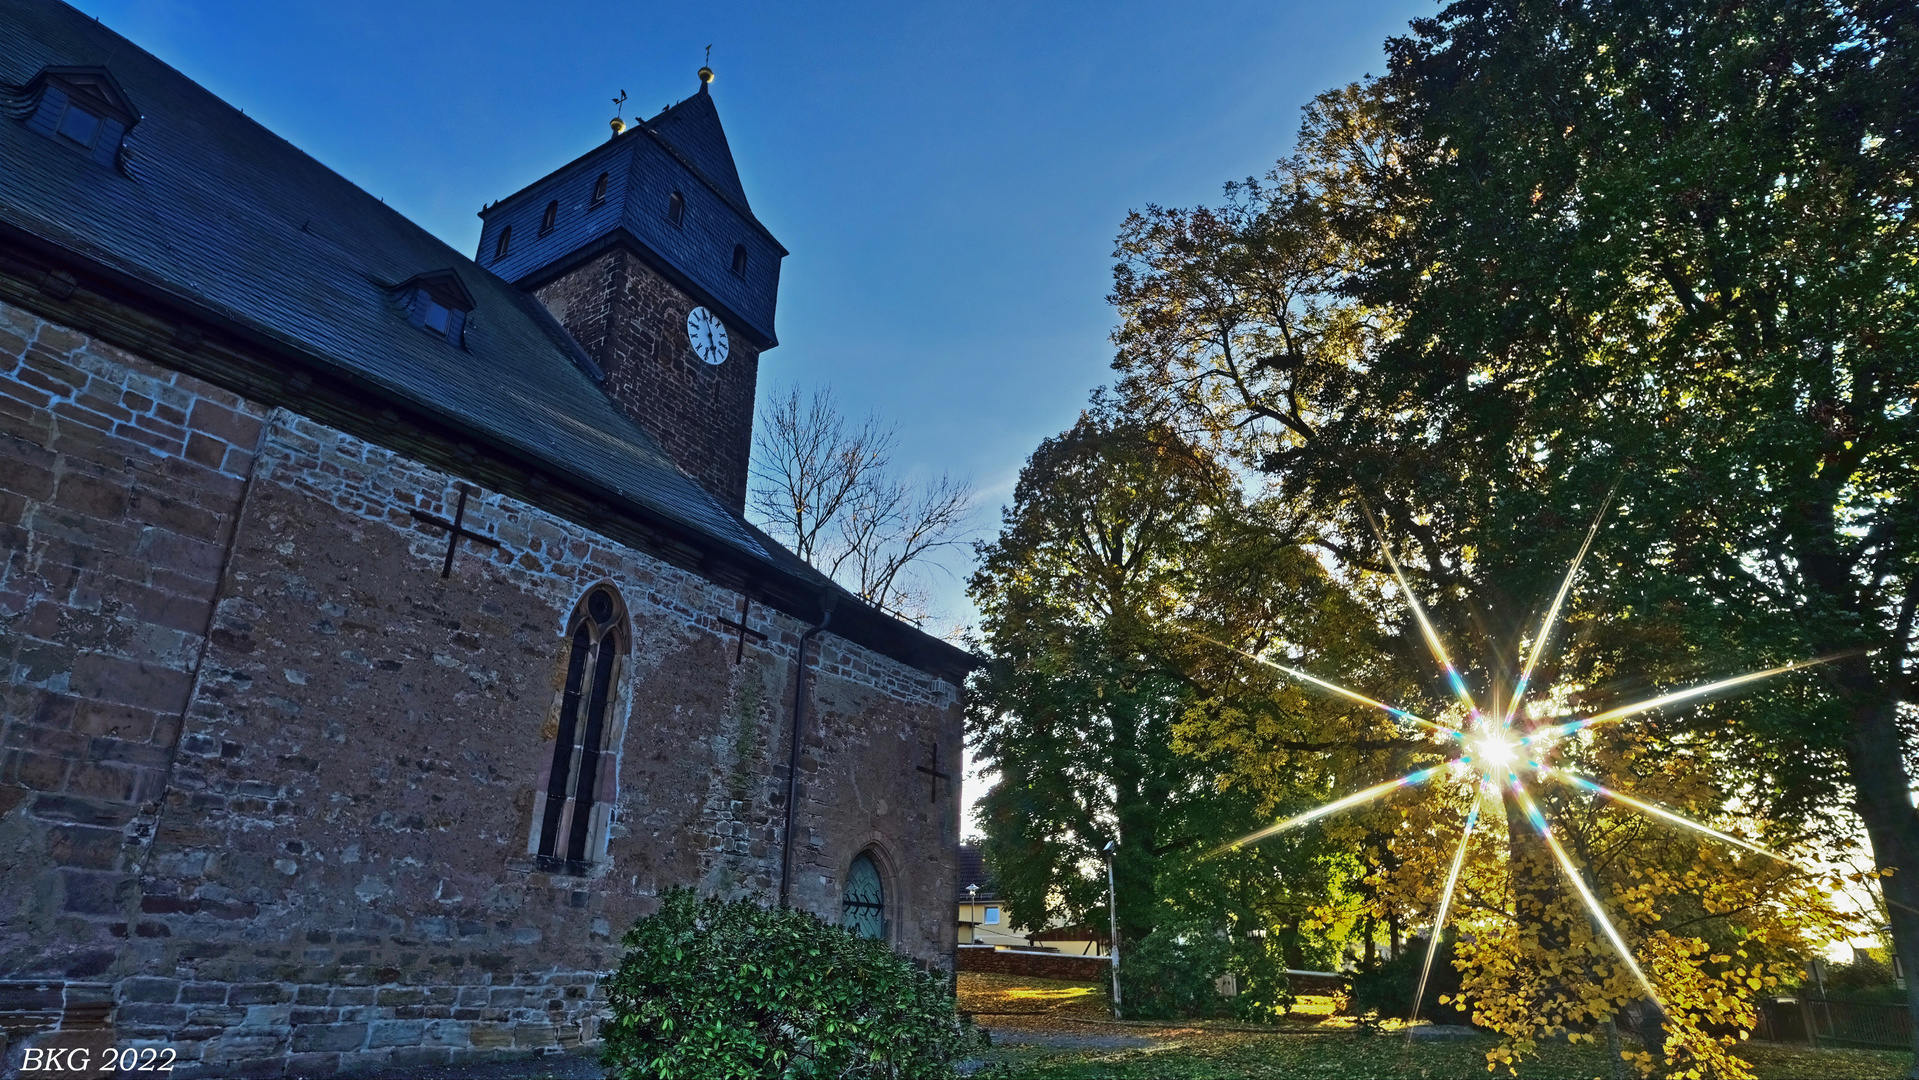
{"type": "Point", "coordinates": [1657, 253]}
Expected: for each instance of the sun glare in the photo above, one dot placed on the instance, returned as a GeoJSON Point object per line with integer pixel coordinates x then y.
{"type": "Point", "coordinates": [1493, 760]}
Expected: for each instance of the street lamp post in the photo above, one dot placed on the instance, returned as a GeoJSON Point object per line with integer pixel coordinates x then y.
{"type": "Point", "coordinates": [1112, 913]}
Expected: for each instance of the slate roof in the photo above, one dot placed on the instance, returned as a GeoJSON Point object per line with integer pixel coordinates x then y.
{"type": "Point", "coordinates": [972, 871]}
{"type": "Point", "coordinates": [209, 207]}
{"type": "Point", "coordinates": [693, 128]}
{"type": "Point", "coordinates": [682, 150]}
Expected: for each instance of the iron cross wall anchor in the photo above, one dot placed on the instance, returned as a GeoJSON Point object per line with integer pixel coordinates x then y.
{"type": "Point", "coordinates": [456, 529]}
{"type": "Point", "coordinates": [745, 631]}
{"type": "Point", "coordinates": [934, 776]}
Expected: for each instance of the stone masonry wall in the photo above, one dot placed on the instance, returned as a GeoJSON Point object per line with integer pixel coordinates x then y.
{"type": "Point", "coordinates": [337, 878]}
{"type": "Point", "coordinates": [632, 322]}
{"type": "Point", "coordinates": [119, 486]}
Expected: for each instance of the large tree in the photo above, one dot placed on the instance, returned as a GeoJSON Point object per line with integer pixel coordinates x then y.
{"type": "Point", "coordinates": [1124, 551]}
{"type": "Point", "coordinates": [1565, 249]}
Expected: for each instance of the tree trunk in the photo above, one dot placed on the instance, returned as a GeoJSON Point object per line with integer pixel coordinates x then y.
{"type": "Point", "coordinates": [1875, 752]}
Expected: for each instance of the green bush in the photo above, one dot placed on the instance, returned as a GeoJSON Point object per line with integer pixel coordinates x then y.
{"type": "Point", "coordinates": [709, 988]}
{"type": "Point", "coordinates": [1867, 978]}
{"type": "Point", "coordinates": [1169, 974]}
{"type": "Point", "coordinates": [1265, 994]}
{"type": "Point", "coordinates": [1385, 991]}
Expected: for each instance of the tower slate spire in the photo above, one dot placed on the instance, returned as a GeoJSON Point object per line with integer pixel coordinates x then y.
{"type": "Point", "coordinates": [647, 251]}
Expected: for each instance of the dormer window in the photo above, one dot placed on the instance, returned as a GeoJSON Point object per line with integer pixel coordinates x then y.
{"type": "Point", "coordinates": [79, 125]}
{"type": "Point", "coordinates": [676, 209]}
{"type": "Point", "coordinates": [599, 190]}
{"type": "Point", "coordinates": [552, 215]}
{"type": "Point", "coordinates": [505, 241]}
{"type": "Point", "coordinates": [739, 259]}
{"type": "Point", "coordinates": [437, 303]}
{"type": "Point", "coordinates": [82, 108]}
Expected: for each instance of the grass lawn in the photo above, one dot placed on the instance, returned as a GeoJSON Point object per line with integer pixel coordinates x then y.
{"type": "Point", "coordinates": [1050, 1030]}
{"type": "Point", "coordinates": [1232, 1055]}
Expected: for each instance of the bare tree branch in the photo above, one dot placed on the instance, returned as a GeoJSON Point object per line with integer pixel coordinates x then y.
{"type": "Point", "coordinates": [826, 488]}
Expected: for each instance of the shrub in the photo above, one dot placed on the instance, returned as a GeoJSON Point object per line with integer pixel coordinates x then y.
{"type": "Point", "coordinates": [1169, 973]}
{"type": "Point", "coordinates": [1867, 978]}
{"type": "Point", "coordinates": [1385, 991]}
{"type": "Point", "coordinates": [1265, 994]}
{"type": "Point", "coordinates": [710, 988]}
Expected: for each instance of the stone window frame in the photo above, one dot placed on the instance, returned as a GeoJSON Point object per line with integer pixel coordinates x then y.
{"type": "Point", "coordinates": [890, 896]}
{"type": "Point", "coordinates": [559, 841]}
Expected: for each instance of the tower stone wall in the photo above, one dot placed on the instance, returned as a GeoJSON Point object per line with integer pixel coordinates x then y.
{"type": "Point", "coordinates": [632, 322]}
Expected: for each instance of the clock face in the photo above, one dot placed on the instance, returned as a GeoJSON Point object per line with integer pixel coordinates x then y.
{"type": "Point", "coordinates": [707, 334]}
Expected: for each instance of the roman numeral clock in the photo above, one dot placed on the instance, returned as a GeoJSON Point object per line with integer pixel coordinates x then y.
{"type": "Point", "coordinates": [707, 334]}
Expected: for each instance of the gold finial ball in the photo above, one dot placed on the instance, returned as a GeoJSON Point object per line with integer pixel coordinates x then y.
{"type": "Point", "coordinates": [619, 125]}
{"type": "Point", "coordinates": [706, 75]}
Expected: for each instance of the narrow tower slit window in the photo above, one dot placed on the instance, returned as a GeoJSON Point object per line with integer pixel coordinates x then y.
{"type": "Point", "coordinates": [573, 817]}
{"type": "Point", "coordinates": [739, 259]}
{"type": "Point", "coordinates": [552, 215]}
{"type": "Point", "coordinates": [505, 241]}
{"type": "Point", "coordinates": [676, 208]}
{"type": "Point", "coordinates": [599, 190]}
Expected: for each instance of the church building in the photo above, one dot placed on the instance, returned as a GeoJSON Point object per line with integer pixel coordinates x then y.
{"type": "Point", "coordinates": [381, 627]}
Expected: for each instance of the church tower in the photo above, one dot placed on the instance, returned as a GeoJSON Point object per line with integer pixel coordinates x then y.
{"type": "Point", "coordinates": [646, 251]}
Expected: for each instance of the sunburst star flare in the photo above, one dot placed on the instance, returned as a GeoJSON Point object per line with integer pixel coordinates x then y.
{"type": "Point", "coordinates": [1493, 758]}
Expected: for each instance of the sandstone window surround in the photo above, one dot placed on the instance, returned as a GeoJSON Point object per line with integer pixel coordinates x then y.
{"type": "Point", "coordinates": [585, 728]}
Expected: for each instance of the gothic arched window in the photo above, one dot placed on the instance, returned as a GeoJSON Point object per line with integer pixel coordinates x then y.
{"type": "Point", "coordinates": [573, 817]}
{"type": "Point", "coordinates": [552, 215]}
{"type": "Point", "coordinates": [676, 208]}
{"type": "Point", "coordinates": [864, 908]}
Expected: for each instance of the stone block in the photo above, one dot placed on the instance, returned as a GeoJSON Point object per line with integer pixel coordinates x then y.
{"type": "Point", "coordinates": [329, 1037]}
{"type": "Point", "coordinates": [259, 994]}
{"type": "Point", "coordinates": [149, 988]}
{"type": "Point", "coordinates": [492, 1036]}
{"type": "Point", "coordinates": [151, 1013]}
{"type": "Point", "coordinates": [395, 1033]}
{"type": "Point", "coordinates": [204, 994]}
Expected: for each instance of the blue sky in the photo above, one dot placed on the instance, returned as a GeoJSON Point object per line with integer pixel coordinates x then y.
{"type": "Point", "coordinates": [948, 177]}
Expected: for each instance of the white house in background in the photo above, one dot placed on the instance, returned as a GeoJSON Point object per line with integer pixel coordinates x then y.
{"type": "Point", "coordinates": [984, 921]}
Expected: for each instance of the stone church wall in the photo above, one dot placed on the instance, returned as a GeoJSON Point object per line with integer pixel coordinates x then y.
{"type": "Point", "coordinates": [270, 778]}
